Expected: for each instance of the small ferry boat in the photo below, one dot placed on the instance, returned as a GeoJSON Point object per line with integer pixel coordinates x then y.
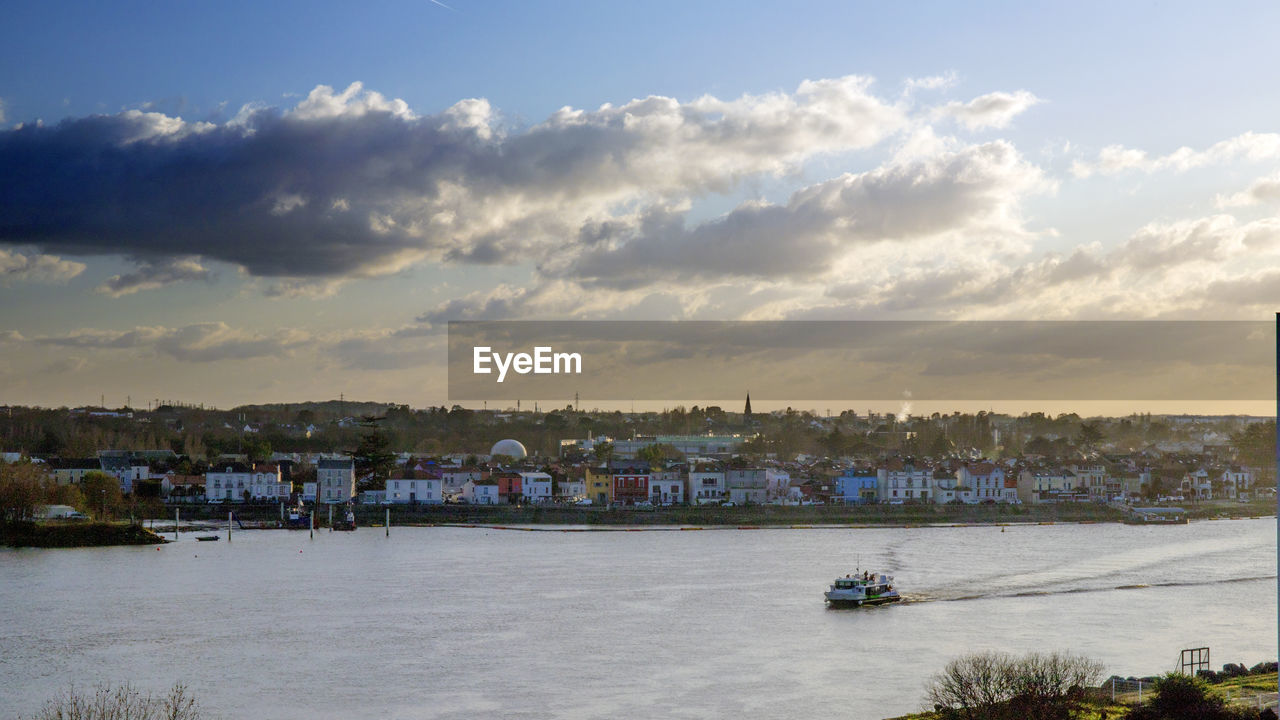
{"type": "Point", "coordinates": [857, 590]}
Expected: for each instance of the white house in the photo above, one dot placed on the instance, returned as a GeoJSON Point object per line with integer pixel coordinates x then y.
{"type": "Point", "coordinates": [124, 467]}
{"type": "Point", "coordinates": [1197, 484]}
{"type": "Point", "coordinates": [777, 483]}
{"type": "Point", "coordinates": [898, 483]}
{"type": "Point", "coordinates": [1236, 482]}
{"type": "Point", "coordinates": [455, 477]}
{"type": "Point", "coordinates": [666, 488]}
{"type": "Point", "coordinates": [1092, 479]}
{"type": "Point", "coordinates": [706, 487]}
{"type": "Point", "coordinates": [480, 492]}
{"type": "Point", "coordinates": [746, 485]}
{"type": "Point", "coordinates": [415, 488]}
{"type": "Point", "coordinates": [231, 481]}
{"type": "Point", "coordinates": [336, 479]}
{"type": "Point", "coordinates": [570, 489]}
{"type": "Point", "coordinates": [987, 480]}
{"type": "Point", "coordinates": [535, 487]}
{"type": "Point", "coordinates": [947, 488]}
{"type": "Point", "coordinates": [1046, 485]}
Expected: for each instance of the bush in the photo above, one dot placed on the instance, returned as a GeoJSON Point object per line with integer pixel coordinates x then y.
{"type": "Point", "coordinates": [124, 702]}
{"type": "Point", "coordinates": [992, 685]}
{"type": "Point", "coordinates": [1182, 697]}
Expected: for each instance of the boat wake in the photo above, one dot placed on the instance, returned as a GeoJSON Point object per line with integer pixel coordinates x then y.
{"type": "Point", "coordinates": [909, 598]}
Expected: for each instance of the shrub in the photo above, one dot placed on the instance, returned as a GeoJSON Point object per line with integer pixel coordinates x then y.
{"type": "Point", "coordinates": [1182, 697]}
{"type": "Point", "coordinates": [1037, 686]}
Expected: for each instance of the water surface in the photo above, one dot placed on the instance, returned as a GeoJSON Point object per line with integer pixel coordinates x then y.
{"type": "Point", "coordinates": [469, 623]}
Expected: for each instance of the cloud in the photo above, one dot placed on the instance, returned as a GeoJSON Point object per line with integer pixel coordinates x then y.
{"type": "Point", "coordinates": [1263, 190]}
{"type": "Point", "coordinates": [972, 192]}
{"type": "Point", "coordinates": [930, 82]}
{"type": "Point", "coordinates": [150, 275]}
{"type": "Point", "coordinates": [993, 110]}
{"type": "Point", "coordinates": [1116, 159]}
{"type": "Point", "coordinates": [198, 343]}
{"type": "Point", "coordinates": [1176, 269]}
{"type": "Point", "coordinates": [1157, 247]}
{"type": "Point", "coordinates": [352, 184]}
{"type": "Point", "coordinates": [48, 268]}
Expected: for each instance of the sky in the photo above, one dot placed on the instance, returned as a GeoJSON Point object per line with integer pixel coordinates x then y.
{"type": "Point", "coordinates": [275, 202]}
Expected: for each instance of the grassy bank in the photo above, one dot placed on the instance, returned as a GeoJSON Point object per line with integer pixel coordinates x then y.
{"type": "Point", "coordinates": [75, 534]}
{"type": "Point", "coordinates": [1237, 690]}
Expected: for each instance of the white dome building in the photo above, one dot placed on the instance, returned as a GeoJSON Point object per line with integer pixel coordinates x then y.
{"type": "Point", "coordinates": [511, 448]}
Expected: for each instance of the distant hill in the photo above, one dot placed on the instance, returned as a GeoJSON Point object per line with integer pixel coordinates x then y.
{"type": "Point", "coordinates": [323, 408]}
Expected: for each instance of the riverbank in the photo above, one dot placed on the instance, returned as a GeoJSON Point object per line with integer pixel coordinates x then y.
{"type": "Point", "coordinates": [75, 534]}
{"type": "Point", "coordinates": [1249, 691]}
{"type": "Point", "coordinates": [715, 516]}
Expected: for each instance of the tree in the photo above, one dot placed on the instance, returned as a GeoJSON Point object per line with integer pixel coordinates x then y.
{"type": "Point", "coordinates": [995, 686]}
{"type": "Point", "coordinates": [374, 459]}
{"type": "Point", "coordinates": [1256, 444]}
{"type": "Point", "coordinates": [101, 493]}
{"type": "Point", "coordinates": [603, 452]}
{"type": "Point", "coordinates": [1090, 435]}
{"type": "Point", "coordinates": [22, 488]}
{"type": "Point", "coordinates": [658, 454]}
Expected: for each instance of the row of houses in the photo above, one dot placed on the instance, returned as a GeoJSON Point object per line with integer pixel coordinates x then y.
{"type": "Point", "coordinates": [699, 481]}
{"type": "Point", "coordinates": [990, 482]}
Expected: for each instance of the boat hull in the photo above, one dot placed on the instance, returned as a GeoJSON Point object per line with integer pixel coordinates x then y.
{"type": "Point", "coordinates": [859, 602]}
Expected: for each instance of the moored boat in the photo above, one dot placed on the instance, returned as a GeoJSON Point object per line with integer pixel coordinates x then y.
{"type": "Point", "coordinates": [857, 590]}
{"type": "Point", "coordinates": [347, 523]}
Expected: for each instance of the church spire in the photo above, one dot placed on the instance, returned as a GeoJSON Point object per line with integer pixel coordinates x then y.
{"type": "Point", "coordinates": [747, 410]}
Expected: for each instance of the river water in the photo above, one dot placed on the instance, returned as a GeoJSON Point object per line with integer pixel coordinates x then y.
{"type": "Point", "coordinates": [482, 623]}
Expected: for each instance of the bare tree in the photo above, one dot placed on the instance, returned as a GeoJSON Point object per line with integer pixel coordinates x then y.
{"type": "Point", "coordinates": [122, 702]}
{"type": "Point", "coordinates": [991, 685]}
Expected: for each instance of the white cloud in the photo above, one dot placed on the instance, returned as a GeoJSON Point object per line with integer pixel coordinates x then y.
{"type": "Point", "coordinates": [1116, 159]}
{"type": "Point", "coordinates": [47, 268]}
{"type": "Point", "coordinates": [971, 193]}
{"type": "Point", "coordinates": [930, 82]}
{"type": "Point", "coordinates": [993, 110]}
{"type": "Point", "coordinates": [1263, 190]}
{"type": "Point", "coordinates": [323, 103]}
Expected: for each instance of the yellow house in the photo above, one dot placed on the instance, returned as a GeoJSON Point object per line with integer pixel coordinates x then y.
{"type": "Point", "coordinates": [599, 486]}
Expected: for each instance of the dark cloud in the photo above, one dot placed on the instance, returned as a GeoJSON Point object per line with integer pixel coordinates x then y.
{"type": "Point", "coordinates": [150, 275]}
{"type": "Point", "coordinates": [352, 184]}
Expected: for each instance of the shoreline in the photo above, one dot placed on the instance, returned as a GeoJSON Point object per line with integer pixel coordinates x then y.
{"type": "Point", "coordinates": [76, 535]}
{"type": "Point", "coordinates": [579, 519]}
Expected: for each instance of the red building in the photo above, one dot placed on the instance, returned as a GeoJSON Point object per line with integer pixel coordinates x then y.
{"type": "Point", "coordinates": [509, 489]}
{"type": "Point", "coordinates": [630, 488]}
